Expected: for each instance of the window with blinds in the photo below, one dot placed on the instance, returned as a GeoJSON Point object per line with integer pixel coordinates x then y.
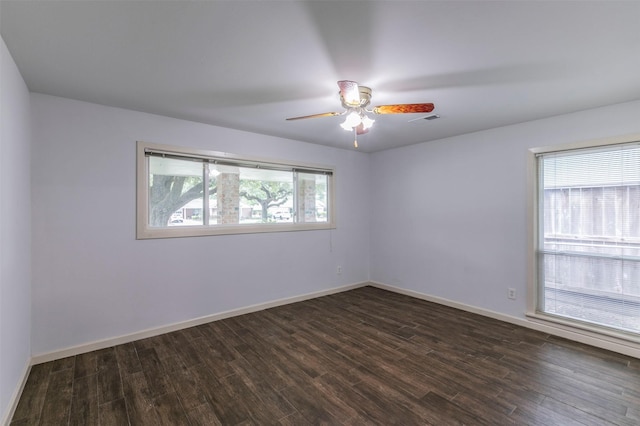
{"type": "Point", "coordinates": [588, 250]}
{"type": "Point", "coordinates": [185, 192]}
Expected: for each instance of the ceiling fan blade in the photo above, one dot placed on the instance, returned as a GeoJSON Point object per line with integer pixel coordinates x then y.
{"type": "Point", "coordinates": [324, 114]}
{"type": "Point", "coordinates": [403, 108]}
{"type": "Point", "coordinates": [349, 92]}
{"type": "Point", "coordinates": [360, 130]}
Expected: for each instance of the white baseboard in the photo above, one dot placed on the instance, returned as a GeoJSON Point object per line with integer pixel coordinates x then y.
{"type": "Point", "coordinates": [113, 341]}
{"type": "Point", "coordinates": [582, 336]}
{"type": "Point", "coordinates": [15, 398]}
{"type": "Point", "coordinates": [614, 345]}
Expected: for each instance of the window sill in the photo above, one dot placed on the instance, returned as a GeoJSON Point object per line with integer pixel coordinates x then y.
{"type": "Point", "coordinates": [144, 233]}
{"type": "Point", "coordinates": [597, 336]}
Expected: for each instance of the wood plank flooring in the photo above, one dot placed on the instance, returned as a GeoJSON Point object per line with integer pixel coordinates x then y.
{"type": "Point", "coordinates": [362, 357]}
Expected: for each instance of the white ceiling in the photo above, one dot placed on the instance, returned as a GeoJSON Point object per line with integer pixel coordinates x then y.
{"type": "Point", "coordinates": [250, 64]}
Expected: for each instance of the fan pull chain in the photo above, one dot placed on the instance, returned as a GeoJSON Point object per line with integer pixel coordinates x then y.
{"type": "Point", "coordinates": [355, 138]}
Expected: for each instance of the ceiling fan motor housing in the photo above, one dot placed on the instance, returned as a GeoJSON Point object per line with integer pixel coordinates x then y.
{"type": "Point", "coordinates": [365, 95]}
{"type": "Point", "coordinates": [363, 99]}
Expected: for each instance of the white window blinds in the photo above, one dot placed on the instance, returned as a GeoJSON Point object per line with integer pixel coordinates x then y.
{"type": "Point", "coordinates": [186, 192]}
{"type": "Point", "coordinates": [589, 236]}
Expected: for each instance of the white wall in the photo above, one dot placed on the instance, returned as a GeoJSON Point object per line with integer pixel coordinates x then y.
{"type": "Point", "coordinates": [15, 230]}
{"type": "Point", "coordinates": [452, 221]}
{"type": "Point", "coordinates": [93, 280]}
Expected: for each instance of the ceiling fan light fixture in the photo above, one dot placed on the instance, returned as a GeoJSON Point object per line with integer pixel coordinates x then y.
{"type": "Point", "coordinates": [346, 126]}
{"type": "Point", "coordinates": [352, 120]}
{"type": "Point", "coordinates": [367, 122]}
{"type": "Point", "coordinates": [356, 118]}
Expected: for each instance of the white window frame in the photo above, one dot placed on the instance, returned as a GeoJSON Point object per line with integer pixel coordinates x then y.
{"type": "Point", "coordinates": [581, 331]}
{"type": "Point", "coordinates": [144, 231]}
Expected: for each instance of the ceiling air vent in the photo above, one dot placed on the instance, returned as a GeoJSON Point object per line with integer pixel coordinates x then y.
{"type": "Point", "coordinates": [426, 117]}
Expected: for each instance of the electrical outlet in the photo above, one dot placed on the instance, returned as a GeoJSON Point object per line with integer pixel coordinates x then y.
{"type": "Point", "coordinates": [339, 270]}
{"type": "Point", "coordinates": [511, 293]}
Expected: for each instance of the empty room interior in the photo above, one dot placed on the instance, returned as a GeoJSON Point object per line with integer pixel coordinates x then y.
{"type": "Point", "coordinates": [320, 212]}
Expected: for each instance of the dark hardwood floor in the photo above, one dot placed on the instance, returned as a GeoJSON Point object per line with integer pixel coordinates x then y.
{"type": "Point", "coordinates": [365, 356]}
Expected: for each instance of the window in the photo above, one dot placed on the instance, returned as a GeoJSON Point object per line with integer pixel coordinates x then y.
{"type": "Point", "coordinates": [184, 192]}
{"type": "Point", "coordinates": [588, 238]}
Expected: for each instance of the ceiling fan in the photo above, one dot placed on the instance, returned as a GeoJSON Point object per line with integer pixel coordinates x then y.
{"type": "Point", "coordinates": [355, 99]}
